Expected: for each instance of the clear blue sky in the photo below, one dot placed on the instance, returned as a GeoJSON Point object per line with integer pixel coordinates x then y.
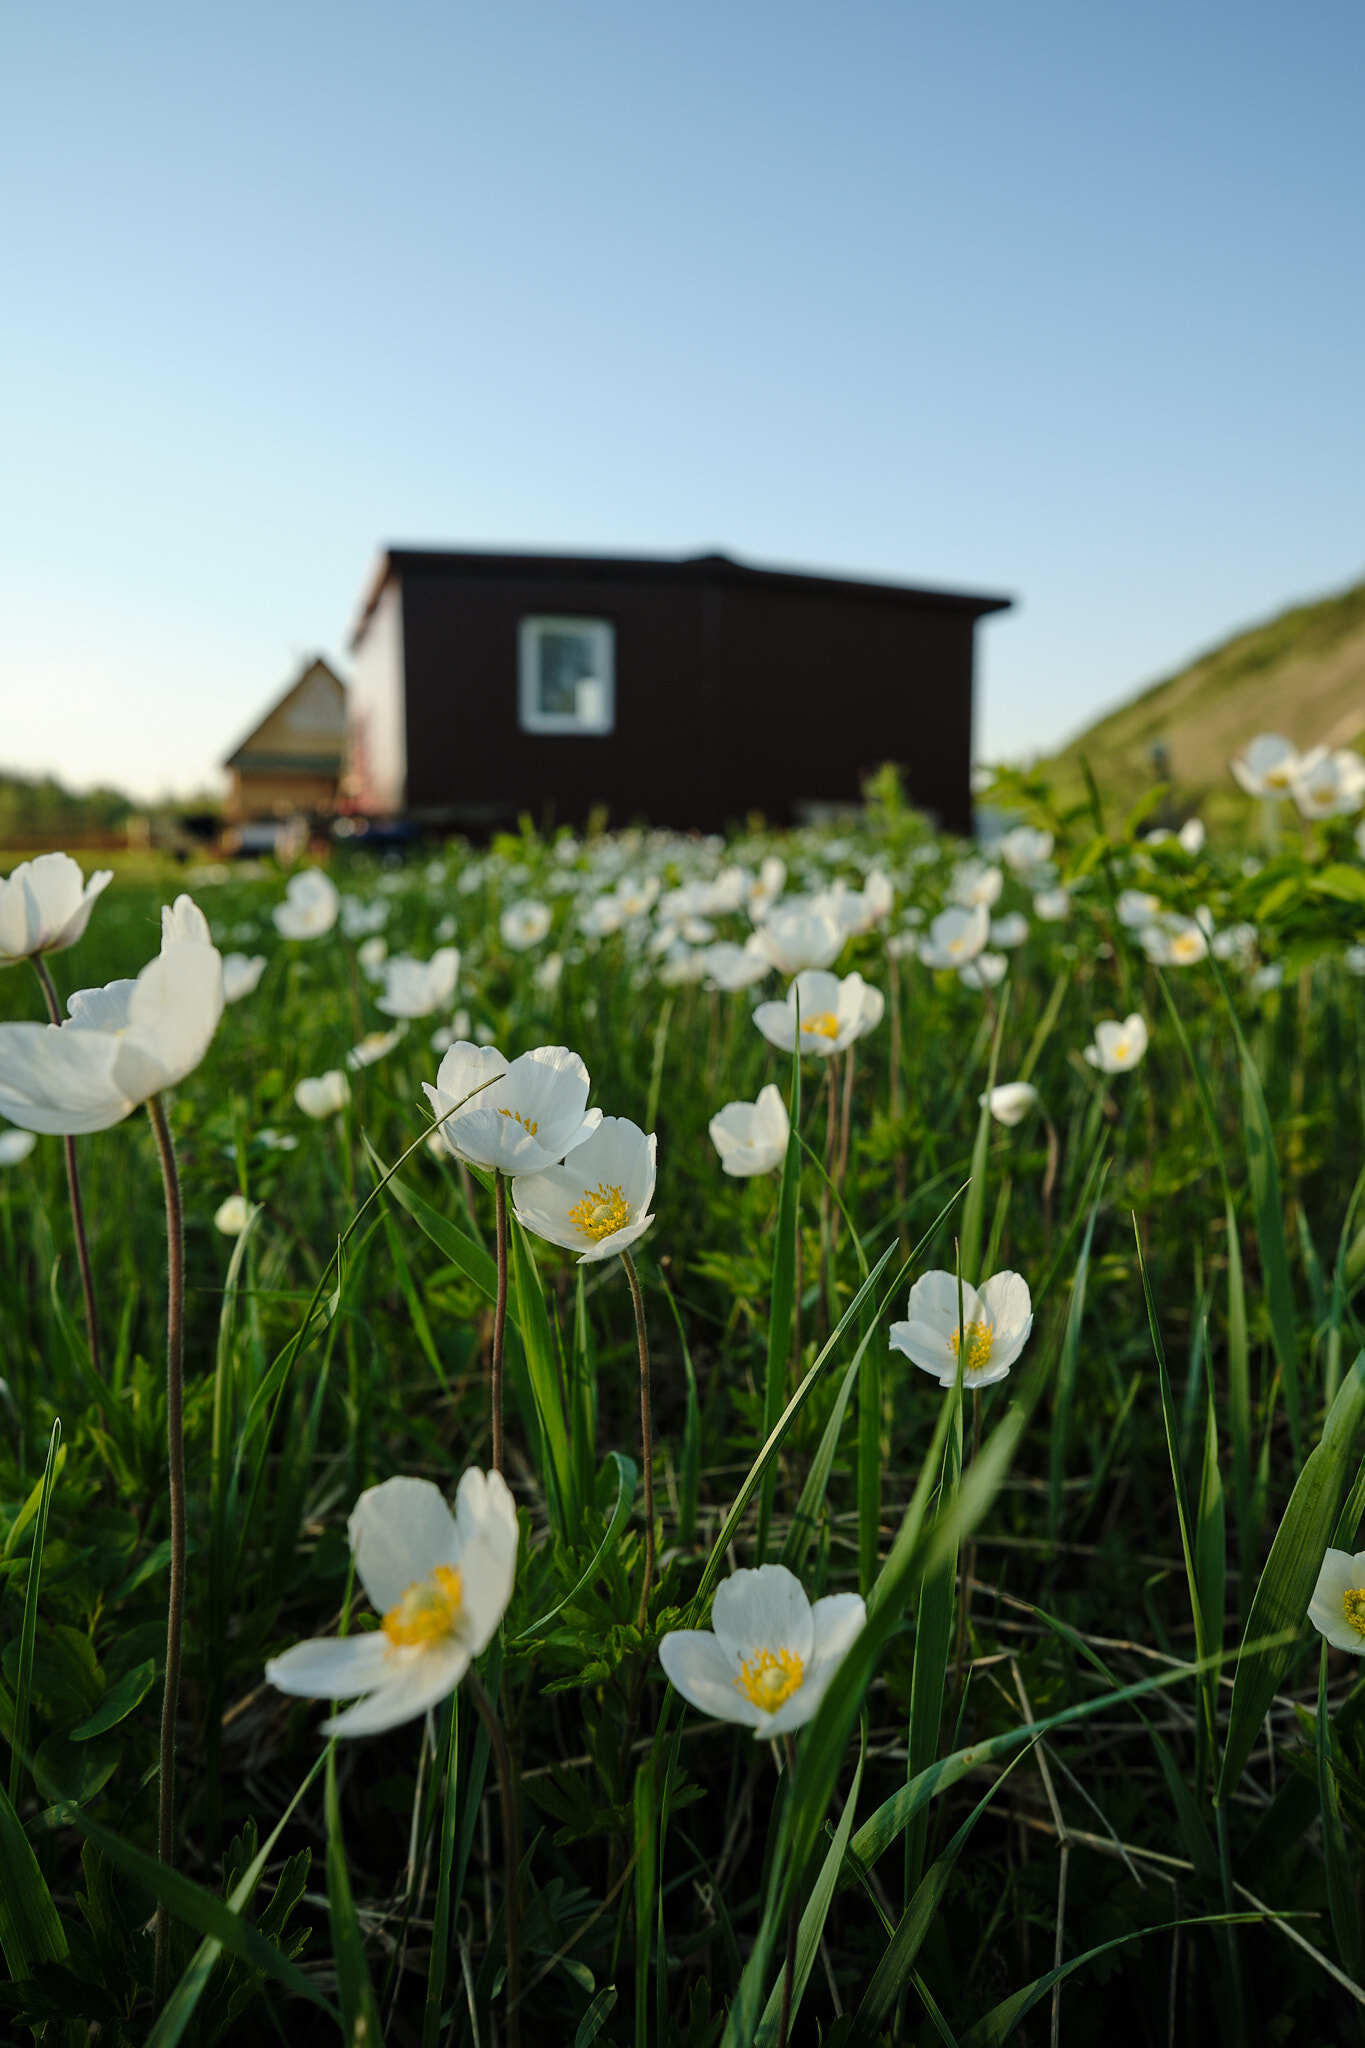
{"type": "Point", "coordinates": [1062, 301]}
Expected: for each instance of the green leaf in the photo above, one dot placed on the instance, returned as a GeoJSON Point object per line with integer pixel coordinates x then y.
{"type": "Point", "coordinates": [781, 1301]}
{"type": "Point", "coordinates": [200, 1909]}
{"type": "Point", "coordinates": [29, 1625]}
{"type": "Point", "coordinates": [120, 1700]}
{"type": "Point", "coordinates": [1274, 1627]}
{"type": "Point", "coordinates": [30, 1927]}
{"type": "Point", "coordinates": [620, 1514]}
{"type": "Point", "coordinates": [816, 1911]}
{"type": "Point", "coordinates": [359, 2014]}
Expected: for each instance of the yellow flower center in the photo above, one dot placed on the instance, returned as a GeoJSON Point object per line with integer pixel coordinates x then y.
{"type": "Point", "coordinates": [769, 1677]}
{"type": "Point", "coordinates": [1353, 1607]}
{"type": "Point", "coordinates": [428, 1610]}
{"type": "Point", "coordinates": [1184, 946]}
{"type": "Point", "coordinates": [528, 1124]}
{"type": "Point", "coordinates": [1122, 1048]}
{"type": "Point", "coordinates": [824, 1023]}
{"type": "Point", "coordinates": [980, 1337]}
{"type": "Point", "coordinates": [1277, 778]}
{"type": "Point", "coordinates": [602, 1211]}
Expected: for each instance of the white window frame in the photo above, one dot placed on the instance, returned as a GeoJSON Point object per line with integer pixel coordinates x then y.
{"type": "Point", "coordinates": [532, 719]}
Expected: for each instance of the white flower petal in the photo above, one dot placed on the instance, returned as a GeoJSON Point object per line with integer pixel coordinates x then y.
{"type": "Point", "coordinates": [765, 1609]}
{"type": "Point", "coordinates": [423, 1678]}
{"type": "Point", "coordinates": [333, 1667]}
{"type": "Point", "coordinates": [400, 1531]}
{"type": "Point", "coordinates": [705, 1673]}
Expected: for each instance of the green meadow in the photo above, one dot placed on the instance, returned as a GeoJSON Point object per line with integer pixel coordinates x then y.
{"type": "Point", "coordinates": [1081, 1754]}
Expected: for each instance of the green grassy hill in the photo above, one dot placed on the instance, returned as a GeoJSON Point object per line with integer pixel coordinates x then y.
{"type": "Point", "coordinates": [1302, 674]}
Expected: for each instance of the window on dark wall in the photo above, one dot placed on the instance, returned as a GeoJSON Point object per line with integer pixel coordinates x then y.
{"type": "Point", "coordinates": [567, 675]}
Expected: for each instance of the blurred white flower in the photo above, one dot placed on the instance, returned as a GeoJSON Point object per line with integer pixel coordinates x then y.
{"type": "Point", "coordinates": [751, 1137]}
{"type": "Point", "coordinates": [373, 1046]}
{"type": "Point", "coordinates": [794, 936]}
{"type": "Point", "coordinates": [1136, 908]}
{"type": "Point", "coordinates": [524, 924]}
{"type": "Point", "coordinates": [1268, 977]}
{"type": "Point", "coordinates": [1118, 1047]}
{"type": "Point", "coordinates": [1009, 930]}
{"type": "Point", "coordinates": [233, 1215]}
{"type": "Point", "coordinates": [241, 974]}
{"type": "Point", "coordinates": [986, 971]}
{"type": "Point", "coordinates": [1354, 959]}
{"type": "Point", "coordinates": [414, 988]}
{"type": "Point", "coordinates": [832, 1013]}
{"type": "Point", "coordinates": [371, 954]}
{"type": "Point", "coordinates": [730, 967]}
{"type": "Point", "coordinates": [766, 886]}
{"type": "Point", "coordinates": [1010, 1102]}
{"type": "Point", "coordinates": [358, 917]}
{"type": "Point", "coordinates": [976, 882]}
{"type": "Point", "coordinates": [1234, 942]}
{"type": "Point", "coordinates": [533, 1113]}
{"type": "Point", "coordinates": [956, 936]}
{"type": "Point", "coordinates": [547, 973]}
{"type": "Point", "coordinates": [597, 1202]}
{"type": "Point", "coordinates": [1270, 765]}
{"type": "Point", "coordinates": [1052, 905]}
{"type": "Point", "coordinates": [442, 1584]}
{"type": "Point", "coordinates": [323, 1094]}
{"type": "Point", "coordinates": [45, 906]}
{"type": "Point", "coordinates": [277, 1141]}
{"type": "Point", "coordinates": [1191, 835]}
{"type": "Point", "coordinates": [119, 1044]}
{"type": "Point", "coordinates": [1174, 941]}
{"type": "Point", "coordinates": [769, 1656]}
{"type": "Point", "coordinates": [1025, 847]}
{"type": "Point", "coordinates": [1332, 786]}
{"type": "Point", "coordinates": [310, 906]}
{"type": "Point", "coordinates": [15, 1146]}
{"type": "Point", "coordinates": [990, 1326]}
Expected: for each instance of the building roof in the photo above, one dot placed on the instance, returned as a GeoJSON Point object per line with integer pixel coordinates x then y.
{"type": "Point", "coordinates": [707, 568]}
{"type": "Point", "coordinates": [303, 729]}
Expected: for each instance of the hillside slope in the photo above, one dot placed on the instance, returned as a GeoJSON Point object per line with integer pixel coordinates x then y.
{"type": "Point", "coordinates": [1302, 674]}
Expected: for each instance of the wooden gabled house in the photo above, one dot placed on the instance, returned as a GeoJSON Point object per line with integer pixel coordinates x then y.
{"type": "Point", "coordinates": [291, 762]}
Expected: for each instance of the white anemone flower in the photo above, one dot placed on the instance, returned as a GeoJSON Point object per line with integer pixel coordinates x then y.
{"type": "Point", "coordinates": [241, 974]}
{"type": "Point", "coordinates": [1271, 764]}
{"type": "Point", "coordinates": [730, 967]}
{"type": "Point", "coordinates": [986, 971]}
{"type": "Point", "coordinates": [751, 1137]}
{"type": "Point", "coordinates": [320, 1095]}
{"type": "Point", "coordinates": [15, 1147]}
{"type": "Point", "coordinates": [794, 936]}
{"type": "Point", "coordinates": [233, 1215]}
{"type": "Point", "coordinates": [1009, 930]}
{"type": "Point", "coordinates": [976, 882]}
{"type": "Point", "coordinates": [1331, 787]}
{"type": "Point", "coordinates": [1137, 908]}
{"type": "Point", "coordinates": [358, 917]}
{"type": "Point", "coordinates": [597, 1202]}
{"type": "Point", "coordinates": [310, 906]}
{"type": "Point", "coordinates": [120, 1044]}
{"type": "Point", "coordinates": [832, 1013]}
{"type": "Point", "coordinates": [45, 906]}
{"type": "Point", "coordinates": [769, 1655]}
{"type": "Point", "coordinates": [414, 988]}
{"type": "Point", "coordinates": [371, 954]}
{"type": "Point", "coordinates": [1337, 1608]}
{"type": "Point", "coordinates": [441, 1583]}
{"type": "Point", "coordinates": [956, 936]}
{"type": "Point", "coordinates": [1052, 905]}
{"type": "Point", "coordinates": [989, 1326]}
{"type": "Point", "coordinates": [375, 1045]}
{"type": "Point", "coordinates": [1010, 1102]}
{"type": "Point", "coordinates": [1175, 941]}
{"type": "Point", "coordinates": [533, 1113]}
{"type": "Point", "coordinates": [524, 924]}
{"type": "Point", "coordinates": [766, 886]}
{"type": "Point", "coordinates": [1118, 1047]}
{"type": "Point", "coordinates": [1025, 847]}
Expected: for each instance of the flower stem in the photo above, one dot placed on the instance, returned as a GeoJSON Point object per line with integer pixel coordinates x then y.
{"type": "Point", "coordinates": [499, 1317]}
{"type": "Point", "coordinates": [964, 1604]}
{"type": "Point", "coordinates": [793, 1925]}
{"type": "Point", "coordinates": [54, 1011]}
{"type": "Point", "coordinates": [175, 1445]}
{"type": "Point", "coordinates": [646, 1432]}
{"type": "Point", "coordinates": [511, 1849]}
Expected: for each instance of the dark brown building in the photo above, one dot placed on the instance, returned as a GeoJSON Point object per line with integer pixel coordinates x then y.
{"type": "Point", "coordinates": [684, 693]}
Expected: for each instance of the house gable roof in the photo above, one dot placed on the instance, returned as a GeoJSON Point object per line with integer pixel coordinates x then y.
{"type": "Point", "coordinates": [704, 569]}
{"type": "Point", "coordinates": [304, 729]}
